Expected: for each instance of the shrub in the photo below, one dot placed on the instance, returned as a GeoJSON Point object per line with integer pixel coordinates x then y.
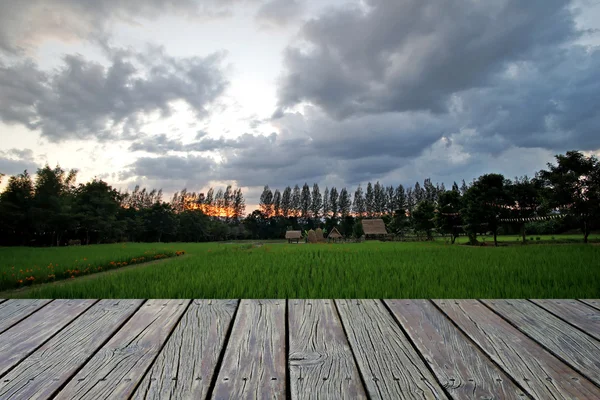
{"type": "Point", "coordinates": [537, 238]}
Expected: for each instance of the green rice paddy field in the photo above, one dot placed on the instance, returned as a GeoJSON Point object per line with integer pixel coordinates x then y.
{"type": "Point", "coordinates": [278, 270]}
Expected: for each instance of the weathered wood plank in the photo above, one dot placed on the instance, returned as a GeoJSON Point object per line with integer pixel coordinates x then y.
{"type": "Point", "coordinates": [13, 311]}
{"type": "Point", "coordinates": [116, 369]}
{"type": "Point", "coordinates": [591, 302]}
{"type": "Point", "coordinates": [458, 364]}
{"type": "Point", "coordinates": [321, 364]}
{"type": "Point", "coordinates": [391, 368]}
{"type": "Point", "coordinates": [570, 344]}
{"type": "Point", "coordinates": [254, 362]}
{"type": "Point", "coordinates": [53, 364]}
{"type": "Point", "coordinates": [535, 369]}
{"type": "Point", "coordinates": [23, 338]}
{"type": "Point", "coordinates": [576, 313]}
{"type": "Point", "coordinates": [185, 367]}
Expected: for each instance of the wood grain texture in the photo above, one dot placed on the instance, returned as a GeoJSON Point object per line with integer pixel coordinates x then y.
{"type": "Point", "coordinates": [185, 367]}
{"type": "Point", "coordinates": [576, 313]}
{"type": "Point", "coordinates": [458, 364]}
{"type": "Point", "coordinates": [390, 366]}
{"type": "Point", "coordinates": [254, 362]}
{"type": "Point", "coordinates": [320, 359]}
{"type": "Point", "coordinates": [539, 372]}
{"type": "Point", "coordinates": [570, 344]}
{"type": "Point", "coordinates": [25, 337]}
{"type": "Point", "coordinates": [13, 311]}
{"type": "Point", "coordinates": [591, 302]}
{"type": "Point", "coordinates": [53, 364]}
{"type": "Point", "coordinates": [116, 369]}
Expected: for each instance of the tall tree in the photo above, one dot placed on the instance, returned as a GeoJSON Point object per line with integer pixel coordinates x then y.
{"type": "Point", "coordinates": [296, 198]}
{"type": "Point", "coordinates": [239, 204]}
{"type": "Point", "coordinates": [400, 199]}
{"type": "Point", "coordinates": [286, 202]}
{"type": "Point", "coordinates": [448, 217]}
{"type": "Point", "coordinates": [317, 202]}
{"type": "Point", "coordinates": [96, 207]}
{"type": "Point", "coordinates": [276, 203]}
{"type": "Point", "coordinates": [345, 204]}
{"type": "Point", "coordinates": [333, 202]}
{"type": "Point", "coordinates": [305, 202]}
{"type": "Point", "coordinates": [52, 202]}
{"type": "Point", "coordinates": [390, 203]}
{"type": "Point", "coordinates": [359, 206]}
{"type": "Point", "coordinates": [410, 200]}
{"type": "Point", "coordinates": [379, 199]}
{"type": "Point", "coordinates": [227, 202]}
{"type": "Point", "coordinates": [266, 201]}
{"type": "Point", "coordinates": [419, 193]}
{"type": "Point", "coordinates": [326, 203]}
{"type": "Point", "coordinates": [573, 185]}
{"type": "Point", "coordinates": [370, 200]}
{"type": "Point", "coordinates": [430, 191]}
{"type": "Point", "coordinates": [525, 194]}
{"type": "Point", "coordinates": [455, 187]}
{"type": "Point", "coordinates": [463, 188]}
{"type": "Point", "coordinates": [16, 202]}
{"type": "Point", "coordinates": [484, 204]}
{"type": "Point", "coordinates": [423, 218]}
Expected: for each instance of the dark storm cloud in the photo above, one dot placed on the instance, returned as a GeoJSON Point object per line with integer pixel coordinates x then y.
{"type": "Point", "coordinates": [550, 103]}
{"type": "Point", "coordinates": [196, 168]}
{"type": "Point", "coordinates": [413, 54]}
{"type": "Point", "coordinates": [85, 99]}
{"type": "Point", "coordinates": [15, 161]}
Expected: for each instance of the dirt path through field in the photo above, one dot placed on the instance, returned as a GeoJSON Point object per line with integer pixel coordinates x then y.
{"type": "Point", "coordinates": [8, 293]}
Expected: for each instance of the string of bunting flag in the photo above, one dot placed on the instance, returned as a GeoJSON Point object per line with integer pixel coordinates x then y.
{"type": "Point", "coordinates": [529, 219]}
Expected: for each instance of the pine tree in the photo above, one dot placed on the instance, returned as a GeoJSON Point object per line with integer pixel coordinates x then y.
{"type": "Point", "coordinates": [370, 200]}
{"type": "Point", "coordinates": [400, 199]}
{"type": "Point", "coordinates": [296, 196]}
{"type": "Point", "coordinates": [390, 200]}
{"type": "Point", "coordinates": [345, 203]}
{"type": "Point", "coordinates": [266, 201]}
{"type": "Point", "coordinates": [463, 188]}
{"type": "Point", "coordinates": [333, 202]}
{"type": "Point", "coordinates": [286, 202]}
{"type": "Point", "coordinates": [317, 202]}
{"type": "Point", "coordinates": [359, 206]}
{"type": "Point", "coordinates": [277, 203]}
{"type": "Point", "coordinates": [239, 204]}
{"type": "Point", "coordinates": [305, 201]}
{"type": "Point", "coordinates": [455, 187]}
{"type": "Point", "coordinates": [418, 193]}
{"type": "Point", "coordinates": [379, 199]}
{"type": "Point", "coordinates": [227, 202]}
{"type": "Point", "coordinates": [326, 203]}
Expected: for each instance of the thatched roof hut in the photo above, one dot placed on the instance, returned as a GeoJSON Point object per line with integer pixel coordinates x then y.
{"type": "Point", "coordinates": [293, 235]}
{"type": "Point", "coordinates": [334, 234]}
{"type": "Point", "coordinates": [374, 227]}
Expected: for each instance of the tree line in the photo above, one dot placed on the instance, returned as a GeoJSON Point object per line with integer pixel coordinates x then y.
{"type": "Point", "coordinates": [52, 210]}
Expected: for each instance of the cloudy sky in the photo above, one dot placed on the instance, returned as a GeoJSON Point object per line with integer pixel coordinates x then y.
{"type": "Point", "coordinates": [197, 93]}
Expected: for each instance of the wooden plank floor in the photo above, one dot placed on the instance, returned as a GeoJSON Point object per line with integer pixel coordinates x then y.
{"type": "Point", "coordinates": [300, 349]}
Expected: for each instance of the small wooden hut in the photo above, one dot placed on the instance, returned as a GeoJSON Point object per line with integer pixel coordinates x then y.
{"type": "Point", "coordinates": [293, 236]}
{"type": "Point", "coordinates": [374, 228]}
{"type": "Point", "coordinates": [334, 235]}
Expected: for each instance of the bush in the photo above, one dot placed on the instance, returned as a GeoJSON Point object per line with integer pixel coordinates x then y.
{"type": "Point", "coordinates": [537, 238]}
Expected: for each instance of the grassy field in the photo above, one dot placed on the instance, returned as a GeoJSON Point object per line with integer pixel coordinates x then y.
{"type": "Point", "coordinates": [23, 266]}
{"type": "Point", "coordinates": [364, 270]}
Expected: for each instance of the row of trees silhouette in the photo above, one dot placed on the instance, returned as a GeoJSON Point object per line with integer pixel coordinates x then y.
{"type": "Point", "coordinates": [51, 209]}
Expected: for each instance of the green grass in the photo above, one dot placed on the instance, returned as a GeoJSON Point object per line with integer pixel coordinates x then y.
{"type": "Point", "coordinates": [510, 239]}
{"type": "Point", "coordinates": [19, 264]}
{"type": "Point", "coordinates": [364, 270]}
